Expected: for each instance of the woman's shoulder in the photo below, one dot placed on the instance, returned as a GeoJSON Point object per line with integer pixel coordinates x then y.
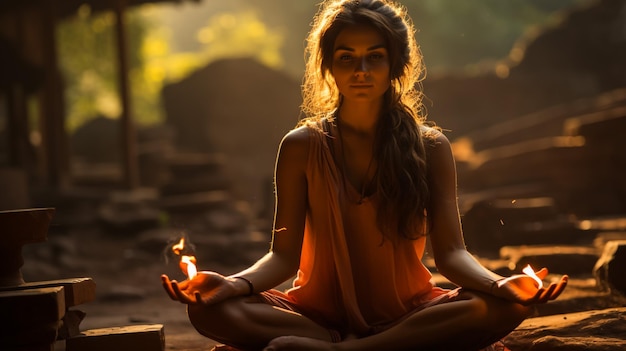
{"type": "Point", "coordinates": [297, 141]}
{"type": "Point", "coordinates": [433, 136]}
{"type": "Point", "coordinates": [303, 133]}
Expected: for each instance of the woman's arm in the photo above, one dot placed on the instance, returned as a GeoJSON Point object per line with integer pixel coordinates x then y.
{"type": "Point", "coordinates": [451, 257]}
{"type": "Point", "coordinates": [283, 259]}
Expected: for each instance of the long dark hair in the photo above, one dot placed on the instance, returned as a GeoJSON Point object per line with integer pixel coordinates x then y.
{"type": "Point", "coordinates": [400, 151]}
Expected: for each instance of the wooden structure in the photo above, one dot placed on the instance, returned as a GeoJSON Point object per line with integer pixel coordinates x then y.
{"type": "Point", "coordinates": [29, 68]}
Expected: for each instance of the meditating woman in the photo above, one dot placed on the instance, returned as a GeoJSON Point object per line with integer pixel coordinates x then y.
{"type": "Point", "coordinates": [360, 183]}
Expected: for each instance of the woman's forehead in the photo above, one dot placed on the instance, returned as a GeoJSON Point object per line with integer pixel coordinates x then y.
{"type": "Point", "coordinates": [359, 37]}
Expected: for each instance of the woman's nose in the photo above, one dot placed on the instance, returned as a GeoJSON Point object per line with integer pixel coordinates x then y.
{"type": "Point", "coordinates": [361, 67]}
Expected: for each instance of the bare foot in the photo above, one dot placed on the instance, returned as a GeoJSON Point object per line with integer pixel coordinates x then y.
{"type": "Point", "coordinates": [297, 343]}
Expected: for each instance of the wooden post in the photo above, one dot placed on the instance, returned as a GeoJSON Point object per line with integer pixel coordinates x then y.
{"type": "Point", "coordinates": [52, 113]}
{"type": "Point", "coordinates": [129, 148]}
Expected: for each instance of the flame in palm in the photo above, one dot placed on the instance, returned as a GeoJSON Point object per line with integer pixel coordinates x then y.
{"type": "Point", "coordinates": [528, 270]}
{"type": "Point", "coordinates": [187, 262]}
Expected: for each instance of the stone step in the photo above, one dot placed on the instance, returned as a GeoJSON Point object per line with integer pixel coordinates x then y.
{"type": "Point", "coordinates": [181, 164]}
{"type": "Point", "coordinates": [562, 259]}
{"type": "Point", "coordinates": [150, 337]}
{"type": "Point", "coordinates": [199, 201]}
{"type": "Point", "coordinates": [195, 183]}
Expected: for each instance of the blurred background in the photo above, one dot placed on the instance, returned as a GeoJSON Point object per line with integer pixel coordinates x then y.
{"type": "Point", "coordinates": [135, 116]}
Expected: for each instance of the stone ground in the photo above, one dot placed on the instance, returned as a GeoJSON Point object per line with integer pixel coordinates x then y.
{"type": "Point", "coordinates": [126, 270]}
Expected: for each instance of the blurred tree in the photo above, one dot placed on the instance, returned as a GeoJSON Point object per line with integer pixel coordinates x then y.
{"type": "Point", "coordinates": [87, 58]}
{"type": "Point", "coordinates": [241, 35]}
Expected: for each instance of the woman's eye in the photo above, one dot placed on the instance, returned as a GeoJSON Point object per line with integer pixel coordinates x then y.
{"type": "Point", "coordinates": [376, 57]}
{"type": "Point", "coordinates": [345, 58]}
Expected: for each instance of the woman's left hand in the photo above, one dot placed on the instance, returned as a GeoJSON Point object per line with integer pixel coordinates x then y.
{"type": "Point", "coordinates": [524, 289]}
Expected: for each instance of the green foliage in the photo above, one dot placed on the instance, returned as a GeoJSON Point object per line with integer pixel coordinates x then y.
{"type": "Point", "coordinates": [87, 50]}
{"type": "Point", "coordinates": [241, 35]}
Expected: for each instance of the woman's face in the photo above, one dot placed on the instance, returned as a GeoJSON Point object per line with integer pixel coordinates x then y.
{"type": "Point", "coordinates": [360, 64]}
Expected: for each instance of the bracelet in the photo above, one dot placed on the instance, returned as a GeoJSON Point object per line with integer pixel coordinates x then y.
{"type": "Point", "coordinates": [494, 284]}
{"type": "Point", "coordinates": [250, 286]}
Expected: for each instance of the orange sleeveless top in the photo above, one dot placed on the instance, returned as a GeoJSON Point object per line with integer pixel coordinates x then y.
{"type": "Point", "coordinates": [350, 276]}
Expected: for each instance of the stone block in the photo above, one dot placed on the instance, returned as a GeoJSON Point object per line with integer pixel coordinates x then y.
{"type": "Point", "coordinates": [20, 227]}
{"type": "Point", "coordinates": [77, 290]}
{"type": "Point", "coordinates": [603, 237]}
{"type": "Point", "coordinates": [571, 260]}
{"type": "Point", "coordinates": [149, 337]}
{"type": "Point", "coordinates": [33, 306]}
{"type": "Point", "coordinates": [31, 318]}
{"type": "Point", "coordinates": [610, 267]}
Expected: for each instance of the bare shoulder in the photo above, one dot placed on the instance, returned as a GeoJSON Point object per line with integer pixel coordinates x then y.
{"type": "Point", "coordinates": [296, 140]}
{"type": "Point", "coordinates": [434, 138]}
{"type": "Point", "coordinates": [294, 148]}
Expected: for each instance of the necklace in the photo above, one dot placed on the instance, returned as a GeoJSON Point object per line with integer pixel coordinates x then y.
{"type": "Point", "coordinates": [364, 182]}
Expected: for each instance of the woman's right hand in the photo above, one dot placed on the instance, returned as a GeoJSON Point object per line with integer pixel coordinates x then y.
{"type": "Point", "coordinates": [205, 288]}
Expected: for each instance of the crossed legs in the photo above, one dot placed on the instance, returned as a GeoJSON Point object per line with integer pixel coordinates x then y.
{"type": "Point", "coordinates": [469, 322]}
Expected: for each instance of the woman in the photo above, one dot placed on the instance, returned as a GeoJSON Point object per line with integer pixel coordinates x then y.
{"type": "Point", "coordinates": [360, 183]}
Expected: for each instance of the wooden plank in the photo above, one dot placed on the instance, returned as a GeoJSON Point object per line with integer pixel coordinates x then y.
{"type": "Point", "coordinates": [149, 337]}
{"type": "Point", "coordinates": [77, 290]}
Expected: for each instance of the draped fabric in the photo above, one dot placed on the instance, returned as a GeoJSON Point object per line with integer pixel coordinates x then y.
{"type": "Point", "coordinates": [351, 277]}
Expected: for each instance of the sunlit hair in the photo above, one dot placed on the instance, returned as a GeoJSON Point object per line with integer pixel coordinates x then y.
{"type": "Point", "coordinates": [401, 141]}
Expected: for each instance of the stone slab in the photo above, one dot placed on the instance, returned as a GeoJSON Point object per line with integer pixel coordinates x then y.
{"type": "Point", "coordinates": [599, 330]}
{"type": "Point", "coordinates": [31, 318]}
{"type": "Point", "coordinates": [32, 306]}
{"type": "Point", "coordinates": [77, 290]}
{"type": "Point", "coordinates": [150, 337]}
{"type": "Point", "coordinates": [562, 259]}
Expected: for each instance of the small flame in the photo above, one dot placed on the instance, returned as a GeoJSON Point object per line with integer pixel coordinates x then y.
{"type": "Point", "coordinates": [187, 262]}
{"type": "Point", "coordinates": [191, 265]}
{"type": "Point", "coordinates": [179, 247]}
{"type": "Point", "coordinates": [528, 270]}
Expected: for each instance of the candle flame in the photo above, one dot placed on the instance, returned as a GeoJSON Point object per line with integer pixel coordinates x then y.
{"type": "Point", "coordinates": [528, 270]}
{"type": "Point", "coordinates": [187, 262]}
